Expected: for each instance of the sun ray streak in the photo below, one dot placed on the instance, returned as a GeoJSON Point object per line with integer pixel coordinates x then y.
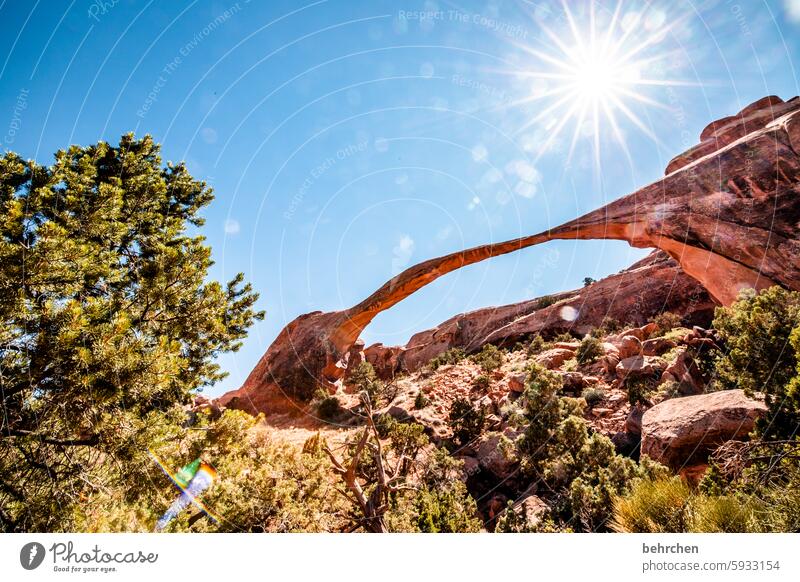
{"type": "Point", "coordinates": [592, 73]}
{"type": "Point", "coordinates": [556, 131]}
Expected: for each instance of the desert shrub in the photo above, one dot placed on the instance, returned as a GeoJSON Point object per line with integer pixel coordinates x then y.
{"type": "Point", "coordinates": [545, 301]}
{"type": "Point", "coordinates": [466, 421]}
{"type": "Point", "coordinates": [607, 326]}
{"type": "Point", "coordinates": [589, 351]}
{"type": "Point", "coordinates": [665, 322]}
{"type": "Point", "coordinates": [406, 440]}
{"type": "Point", "coordinates": [588, 281]}
{"type": "Point", "coordinates": [779, 500]}
{"type": "Point", "coordinates": [761, 355]}
{"type": "Point", "coordinates": [384, 423]}
{"type": "Point", "coordinates": [582, 471]}
{"type": "Point", "coordinates": [564, 336]}
{"type": "Point", "coordinates": [770, 481]}
{"type": "Point", "coordinates": [667, 390]}
{"type": "Point", "coordinates": [421, 401]}
{"type": "Point", "coordinates": [439, 503]}
{"type": "Point", "coordinates": [481, 382]}
{"type": "Point", "coordinates": [451, 356]}
{"type": "Point", "coordinates": [364, 379]}
{"type": "Point", "coordinates": [329, 408]}
{"type": "Point", "coordinates": [261, 485]}
{"type": "Point", "coordinates": [489, 358]}
{"type": "Point", "coordinates": [723, 514]}
{"type": "Point", "coordinates": [593, 396]}
{"type": "Point", "coordinates": [640, 388]}
{"type": "Point", "coordinates": [570, 365]}
{"type": "Point", "coordinates": [546, 410]}
{"type": "Point", "coordinates": [446, 510]}
{"type": "Point", "coordinates": [677, 334]}
{"type": "Point", "coordinates": [653, 506]}
{"type": "Point", "coordinates": [537, 345]}
{"type": "Point", "coordinates": [668, 505]}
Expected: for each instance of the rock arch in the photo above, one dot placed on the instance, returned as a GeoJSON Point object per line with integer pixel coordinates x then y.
{"type": "Point", "coordinates": [728, 210]}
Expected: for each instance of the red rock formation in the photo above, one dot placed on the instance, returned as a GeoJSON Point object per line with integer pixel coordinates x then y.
{"type": "Point", "coordinates": [727, 211]}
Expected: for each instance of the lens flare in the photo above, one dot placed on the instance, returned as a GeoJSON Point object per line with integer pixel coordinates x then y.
{"type": "Point", "coordinates": [192, 480]}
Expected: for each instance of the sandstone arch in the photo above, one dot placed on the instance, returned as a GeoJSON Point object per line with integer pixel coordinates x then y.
{"type": "Point", "coordinates": [728, 210]}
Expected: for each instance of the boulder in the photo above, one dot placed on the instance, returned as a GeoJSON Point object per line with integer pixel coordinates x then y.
{"type": "Point", "coordinates": [633, 422]}
{"type": "Point", "coordinates": [493, 457]}
{"type": "Point", "coordinates": [639, 366]}
{"type": "Point", "coordinates": [683, 431]}
{"type": "Point", "coordinates": [629, 346]}
{"type": "Point", "coordinates": [657, 346]}
{"type": "Point", "coordinates": [531, 511]}
{"type": "Point", "coordinates": [516, 382]}
{"type": "Point", "coordinates": [685, 373]}
{"type": "Point", "coordinates": [575, 382]}
{"type": "Point", "coordinates": [553, 358]}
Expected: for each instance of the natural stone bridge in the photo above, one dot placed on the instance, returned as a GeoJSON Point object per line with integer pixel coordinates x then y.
{"type": "Point", "coordinates": [728, 210]}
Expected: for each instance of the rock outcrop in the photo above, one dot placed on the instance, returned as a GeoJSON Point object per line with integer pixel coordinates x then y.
{"type": "Point", "coordinates": [727, 211]}
{"type": "Point", "coordinates": [683, 431]}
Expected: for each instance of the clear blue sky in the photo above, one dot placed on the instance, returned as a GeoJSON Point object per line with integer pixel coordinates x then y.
{"type": "Point", "coordinates": [347, 140]}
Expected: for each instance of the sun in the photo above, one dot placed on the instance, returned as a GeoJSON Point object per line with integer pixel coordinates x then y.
{"type": "Point", "coordinates": [596, 78]}
{"type": "Point", "coordinates": [595, 71]}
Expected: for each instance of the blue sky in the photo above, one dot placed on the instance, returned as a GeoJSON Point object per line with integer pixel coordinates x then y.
{"type": "Point", "coordinates": [348, 140]}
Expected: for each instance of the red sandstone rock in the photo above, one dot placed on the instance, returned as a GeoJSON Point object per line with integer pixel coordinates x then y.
{"type": "Point", "coordinates": [682, 431]}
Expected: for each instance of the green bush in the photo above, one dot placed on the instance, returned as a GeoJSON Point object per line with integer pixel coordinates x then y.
{"type": "Point", "coordinates": [489, 358]}
{"type": "Point", "coordinates": [589, 351]}
{"type": "Point", "coordinates": [593, 396]}
{"type": "Point", "coordinates": [608, 326]}
{"type": "Point", "coordinates": [537, 345]}
{"type": "Point", "coordinates": [724, 514]}
{"type": "Point", "coordinates": [451, 356]}
{"type": "Point", "coordinates": [545, 301]}
{"type": "Point", "coordinates": [481, 382]}
{"type": "Point", "coordinates": [466, 421]}
{"type": "Point", "coordinates": [329, 408]}
{"type": "Point", "coordinates": [640, 388]}
{"type": "Point", "coordinates": [761, 355]}
{"type": "Point", "coordinates": [665, 322]}
{"type": "Point", "coordinates": [581, 472]}
{"type": "Point", "coordinates": [440, 502]}
{"type": "Point", "coordinates": [421, 401]}
{"type": "Point", "coordinates": [780, 500]}
{"type": "Point", "coordinates": [364, 379]}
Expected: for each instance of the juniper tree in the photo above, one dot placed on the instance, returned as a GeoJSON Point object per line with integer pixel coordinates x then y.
{"type": "Point", "coordinates": [107, 320]}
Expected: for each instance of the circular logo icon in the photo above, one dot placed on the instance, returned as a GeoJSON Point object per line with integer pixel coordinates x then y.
{"type": "Point", "coordinates": [31, 555]}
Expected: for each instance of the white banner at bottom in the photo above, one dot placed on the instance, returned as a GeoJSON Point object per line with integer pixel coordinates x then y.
{"type": "Point", "coordinates": [462, 557]}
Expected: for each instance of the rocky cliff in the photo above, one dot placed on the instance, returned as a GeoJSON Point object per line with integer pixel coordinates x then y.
{"type": "Point", "coordinates": [727, 211]}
